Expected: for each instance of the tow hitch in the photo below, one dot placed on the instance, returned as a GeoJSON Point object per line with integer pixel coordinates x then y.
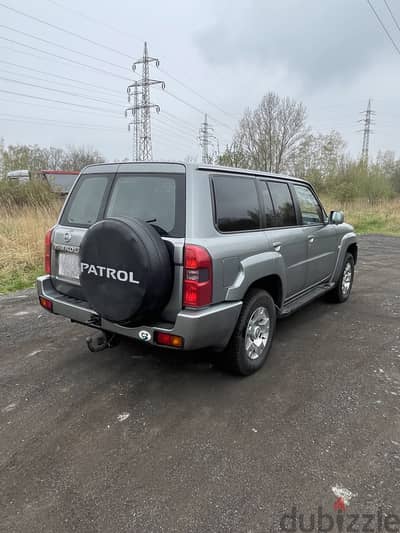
{"type": "Point", "coordinates": [102, 340]}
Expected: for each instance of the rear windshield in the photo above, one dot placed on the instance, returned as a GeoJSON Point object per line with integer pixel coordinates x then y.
{"type": "Point", "coordinates": [156, 199]}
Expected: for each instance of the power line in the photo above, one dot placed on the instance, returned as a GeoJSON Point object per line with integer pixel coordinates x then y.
{"type": "Point", "coordinates": [49, 73]}
{"type": "Point", "coordinates": [79, 52]}
{"type": "Point", "coordinates": [186, 124]}
{"type": "Point", "coordinates": [197, 109]}
{"type": "Point", "coordinates": [37, 120]}
{"type": "Point", "coordinates": [108, 73]}
{"type": "Point", "coordinates": [97, 127]}
{"type": "Point", "coordinates": [180, 132]}
{"type": "Point", "coordinates": [57, 90]}
{"type": "Point", "coordinates": [63, 58]}
{"type": "Point", "coordinates": [62, 83]}
{"type": "Point", "coordinates": [59, 28]}
{"type": "Point", "coordinates": [392, 14]}
{"type": "Point", "coordinates": [15, 93]}
{"type": "Point", "coordinates": [118, 30]}
{"type": "Point", "coordinates": [183, 125]}
{"type": "Point", "coordinates": [383, 26]}
{"type": "Point", "coordinates": [197, 93]}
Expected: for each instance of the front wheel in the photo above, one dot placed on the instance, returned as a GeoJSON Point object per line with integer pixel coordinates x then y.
{"type": "Point", "coordinates": [341, 292]}
{"type": "Point", "coordinates": [251, 341]}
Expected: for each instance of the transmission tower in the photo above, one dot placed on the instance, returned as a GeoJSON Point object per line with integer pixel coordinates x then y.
{"type": "Point", "coordinates": [142, 128]}
{"type": "Point", "coordinates": [135, 124]}
{"type": "Point", "coordinates": [207, 139]}
{"type": "Point", "coordinates": [367, 121]}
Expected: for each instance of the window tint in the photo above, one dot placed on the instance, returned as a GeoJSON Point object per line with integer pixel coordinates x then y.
{"type": "Point", "coordinates": [236, 203]}
{"type": "Point", "coordinates": [150, 198]}
{"type": "Point", "coordinates": [285, 214]}
{"type": "Point", "coordinates": [311, 212]}
{"type": "Point", "coordinates": [84, 205]}
{"type": "Point", "coordinates": [268, 207]}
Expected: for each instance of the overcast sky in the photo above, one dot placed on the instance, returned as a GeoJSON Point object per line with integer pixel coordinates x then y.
{"type": "Point", "coordinates": [330, 54]}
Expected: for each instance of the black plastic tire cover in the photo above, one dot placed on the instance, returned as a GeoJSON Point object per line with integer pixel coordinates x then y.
{"type": "Point", "coordinates": [126, 270]}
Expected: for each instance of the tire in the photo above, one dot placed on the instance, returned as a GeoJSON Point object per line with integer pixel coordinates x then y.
{"type": "Point", "coordinates": [341, 292]}
{"type": "Point", "coordinates": [126, 270]}
{"type": "Point", "coordinates": [236, 358]}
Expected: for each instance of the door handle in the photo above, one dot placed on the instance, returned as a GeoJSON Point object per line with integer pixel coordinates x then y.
{"type": "Point", "coordinates": [277, 245]}
{"type": "Point", "coordinates": [311, 239]}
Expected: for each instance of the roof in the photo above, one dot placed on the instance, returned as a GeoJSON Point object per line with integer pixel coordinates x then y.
{"type": "Point", "coordinates": [199, 166]}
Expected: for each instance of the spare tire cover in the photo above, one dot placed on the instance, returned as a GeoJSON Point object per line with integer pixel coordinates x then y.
{"type": "Point", "coordinates": [126, 270]}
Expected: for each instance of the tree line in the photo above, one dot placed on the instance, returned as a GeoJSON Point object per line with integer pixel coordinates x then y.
{"type": "Point", "coordinates": [275, 137]}
{"type": "Point", "coordinates": [36, 158]}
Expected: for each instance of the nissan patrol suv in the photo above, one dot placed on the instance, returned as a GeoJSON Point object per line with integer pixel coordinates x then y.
{"type": "Point", "coordinates": [192, 256]}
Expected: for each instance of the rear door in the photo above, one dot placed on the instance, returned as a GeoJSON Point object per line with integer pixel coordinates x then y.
{"type": "Point", "coordinates": [154, 193]}
{"type": "Point", "coordinates": [322, 238]}
{"type": "Point", "coordinates": [284, 234]}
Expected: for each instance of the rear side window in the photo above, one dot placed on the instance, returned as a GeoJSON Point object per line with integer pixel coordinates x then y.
{"type": "Point", "coordinates": [154, 199]}
{"type": "Point", "coordinates": [236, 204]}
{"type": "Point", "coordinates": [285, 214]}
{"type": "Point", "coordinates": [84, 205]}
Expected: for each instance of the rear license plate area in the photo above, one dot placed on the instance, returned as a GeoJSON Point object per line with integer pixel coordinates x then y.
{"type": "Point", "coordinates": [69, 265]}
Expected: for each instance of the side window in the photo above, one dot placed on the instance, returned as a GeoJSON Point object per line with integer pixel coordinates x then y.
{"type": "Point", "coordinates": [268, 207]}
{"type": "Point", "coordinates": [311, 212]}
{"type": "Point", "coordinates": [236, 203]}
{"type": "Point", "coordinates": [285, 214]}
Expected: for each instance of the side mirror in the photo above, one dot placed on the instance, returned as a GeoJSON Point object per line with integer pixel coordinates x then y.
{"type": "Point", "coordinates": [336, 217]}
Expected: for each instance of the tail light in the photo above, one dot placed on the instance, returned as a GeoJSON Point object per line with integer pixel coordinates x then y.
{"type": "Point", "coordinates": [197, 282]}
{"type": "Point", "coordinates": [169, 340]}
{"type": "Point", "coordinates": [47, 304]}
{"type": "Point", "coordinates": [47, 251]}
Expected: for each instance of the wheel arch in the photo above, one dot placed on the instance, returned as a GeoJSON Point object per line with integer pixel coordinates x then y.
{"type": "Point", "coordinates": [353, 250]}
{"type": "Point", "coordinates": [273, 285]}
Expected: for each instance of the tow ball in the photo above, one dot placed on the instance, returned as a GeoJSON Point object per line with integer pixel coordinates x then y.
{"type": "Point", "coordinates": [102, 340]}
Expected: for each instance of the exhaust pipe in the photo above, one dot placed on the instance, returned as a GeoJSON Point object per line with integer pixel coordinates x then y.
{"type": "Point", "coordinates": [102, 340]}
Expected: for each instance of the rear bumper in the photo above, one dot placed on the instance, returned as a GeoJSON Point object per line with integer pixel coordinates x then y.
{"type": "Point", "coordinates": [211, 327]}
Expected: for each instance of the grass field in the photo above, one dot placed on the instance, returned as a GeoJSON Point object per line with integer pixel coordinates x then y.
{"type": "Point", "coordinates": [22, 231]}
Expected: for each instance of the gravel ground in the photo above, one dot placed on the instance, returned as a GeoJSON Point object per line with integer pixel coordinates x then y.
{"type": "Point", "coordinates": [140, 439]}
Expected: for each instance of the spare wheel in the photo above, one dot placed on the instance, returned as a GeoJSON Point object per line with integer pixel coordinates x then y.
{"type": "Point", "coordinates": [126, 270]}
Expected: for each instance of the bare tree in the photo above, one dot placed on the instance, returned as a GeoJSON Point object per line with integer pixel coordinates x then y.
{"type": "Point", "coordinates": [77, 157]}
{"type": "Point", "coordinates": [267, 137]}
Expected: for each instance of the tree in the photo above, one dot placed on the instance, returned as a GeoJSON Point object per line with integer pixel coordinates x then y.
{"type": "Point", "coordinates": [34, 158]}
{"type": "Point", "coordinates": [77, 157]}
{"type": "Point", "coordinates": [318, 158]}
{"type": "Point", "coordinates": [268, 137]}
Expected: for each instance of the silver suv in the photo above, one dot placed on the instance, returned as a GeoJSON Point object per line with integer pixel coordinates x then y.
{"type": "Point", "coordinates": [192, 256]}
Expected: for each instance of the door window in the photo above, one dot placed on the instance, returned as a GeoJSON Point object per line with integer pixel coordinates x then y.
{"type": "Point", "coordinates": [311, 212]}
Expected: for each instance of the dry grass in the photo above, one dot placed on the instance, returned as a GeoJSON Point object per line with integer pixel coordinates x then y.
{"type": "Point", "coordinates": [22, 233]}
{"type": "Point", "coordinates": [382, 216]}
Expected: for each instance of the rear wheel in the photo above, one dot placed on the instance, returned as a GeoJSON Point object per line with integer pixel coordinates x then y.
{"type": "Point", "coordinates": [251, 341]}
{"type": "Point", "coordinates": [341, 292]}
